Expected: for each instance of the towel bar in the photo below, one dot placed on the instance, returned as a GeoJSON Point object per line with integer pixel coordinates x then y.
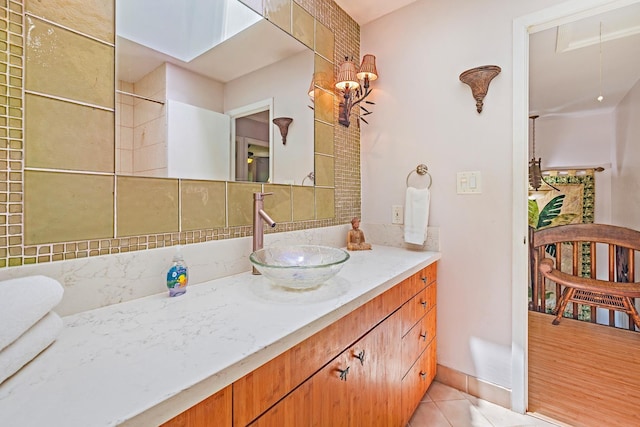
{"type": "Point", "coordinates": [421, 169]}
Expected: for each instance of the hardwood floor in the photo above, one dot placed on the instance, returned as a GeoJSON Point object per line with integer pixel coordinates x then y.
{"type": "Point", "coordinates": [583, 374]}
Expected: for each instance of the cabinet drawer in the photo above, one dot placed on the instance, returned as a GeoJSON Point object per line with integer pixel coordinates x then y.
{"type": "Point", "coordinates": [414, 284]}
{"type": "Point", "coordinates": [418, 380]}
{"type": "Point", "coordinates": [357, 388]}
{"type": "Point", "coordinates": [414, 309]}
{"type": "Point", "coordinates": [257, 391]}
{"type": "Point", "coordinates": [417, 339]}
{"type": "Point", "coordinates": [431, 272]}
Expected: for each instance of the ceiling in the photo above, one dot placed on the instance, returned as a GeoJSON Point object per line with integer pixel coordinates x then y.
{"type": "Point", "coordinates": [564, 71]}
{"type": "Point", "coordinates": [266, 43]}
{"type": "Point", "coordinates": [364, 11]}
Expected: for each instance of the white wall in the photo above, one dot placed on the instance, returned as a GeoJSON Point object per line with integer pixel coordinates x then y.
{"type": "Point", "coordinates": [194, 89]}
{"type": "Point", "coordinates": [582, 140]}
{"type": "Point", "coordinates": [287, 82]}
{"type": "Point", "coordinates": [424, 114]}
{"type": "Point", "coordinates": [193, 143]}
{"type": "Point", "coordinates": [626, 178]}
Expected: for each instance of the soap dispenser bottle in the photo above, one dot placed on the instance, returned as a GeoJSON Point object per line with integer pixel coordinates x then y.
{"type": "Point", "coordinates": [177, 276]}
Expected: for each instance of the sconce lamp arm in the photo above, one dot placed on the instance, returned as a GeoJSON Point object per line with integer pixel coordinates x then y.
{"type": "Point", "coordinates": [367, 91]}
{"type": "Point", "coordinates": [349, 102]}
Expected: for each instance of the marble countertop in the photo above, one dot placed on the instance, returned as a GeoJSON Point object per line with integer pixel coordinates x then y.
{"type": "Point", "coordinates": [144, 361]}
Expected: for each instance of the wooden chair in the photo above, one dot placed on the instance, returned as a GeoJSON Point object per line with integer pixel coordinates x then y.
{"type": "Point", "coordinates": [615, 294]}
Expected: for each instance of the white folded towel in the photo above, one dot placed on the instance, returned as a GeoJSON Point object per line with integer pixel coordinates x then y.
{"type": "Point", "coordinates": [416, 215]}
{"type": "Point", "coordinates": [25, 301]}
{"type": "Point", "coordinates": [29, 345]}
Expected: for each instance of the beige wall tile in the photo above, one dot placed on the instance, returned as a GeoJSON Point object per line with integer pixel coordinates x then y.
{"type": "Point", "coordinates": [146, 205]}
{"type": "Point", "coordinates": [152, 85]}
{"type": "Point", "coordinates": [323, 135]}
{"type": "Point", "coordinates": [324, 170]}
{"type": "Point", "coordinates": [323, 105]}
{"type": "Point", "coordinates": [124, 110]}
{"type": "Point", "coordinates": [303, 25]}
{"type": "Point", "coordinates": [279, 12]}
{"type": "Point", "coordinates": [61, 207]}
{"type": "Point", "coordinates": [240, 202]}
{"type": "Point", "coordinates": [146, 111]}
{"type": "Point", "coordinates": [150, 158]}
{"type": "Point", "coordinates": [124, 162]}
{"type": "Point", "coordinates": [150, 133]}
{"type": "Point", "coordinates": [324, 68]}
{"type": "Point", "coordinates": [303, 203]}
{"type": "Point", "coordinates": [325, 41]}
{"type": "Point", "coordinates": [325, 203]}
{"type": "Point", "coordinates": [62, 135]}
{"type": "Point", "coordinates": [92, 17]}
{"type": "Point", "coordinates": [278, 205]}
{"type": "Point", "coordinates": [203, 204]}
{"type": "Point", "coordinates": [68, 65]}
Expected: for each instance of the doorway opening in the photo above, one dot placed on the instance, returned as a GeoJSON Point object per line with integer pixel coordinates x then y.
{"type": "Point", "coordinates": [551, 17]}
{"type": "Point", "coordinates": [252, 142]}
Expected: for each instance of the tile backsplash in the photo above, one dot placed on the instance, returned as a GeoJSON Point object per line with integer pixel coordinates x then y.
{"type": "Point", "coordinates": [60, 196]}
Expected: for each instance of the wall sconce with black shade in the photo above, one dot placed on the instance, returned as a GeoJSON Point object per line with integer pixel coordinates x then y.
{"type": "Point", "coordinates": [354, 92]}
{"type": "Point", "coordinates": [283, 124]}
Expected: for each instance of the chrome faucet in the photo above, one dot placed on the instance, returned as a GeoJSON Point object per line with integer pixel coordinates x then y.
{"type": "Point", "coordinates": [258, 226]}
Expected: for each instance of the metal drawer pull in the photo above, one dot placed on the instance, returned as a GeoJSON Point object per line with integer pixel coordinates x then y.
{"type": "Point", "coordinates": [424, 304]}
{"type": "Point", "coordinates": [423, 336]}
{"type": "Point", "coordinates": [360, 356]}
{"type": "Point", "coordinates": [423, 375]}
{"type": "Point", "coordinates": [343, 373]}
{"type": "Point", "coordinates": [424, 279]}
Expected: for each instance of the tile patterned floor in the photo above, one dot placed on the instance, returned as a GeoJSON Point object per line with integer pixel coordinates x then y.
{"type": "Point", "coordinates": [444, 406]}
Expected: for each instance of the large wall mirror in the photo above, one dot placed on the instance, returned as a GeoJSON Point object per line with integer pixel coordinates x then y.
{"type": "Point", "coordinates": [198, 87]}
{"type": "Point", "coordinates": [72, 102]}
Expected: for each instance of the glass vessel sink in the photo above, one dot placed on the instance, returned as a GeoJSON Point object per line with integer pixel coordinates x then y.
{"type": "Point", "coordinates": [299, 266]}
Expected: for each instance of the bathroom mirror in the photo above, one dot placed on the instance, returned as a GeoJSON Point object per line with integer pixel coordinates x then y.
{"type": "Point", "coordinates": [181, 74]}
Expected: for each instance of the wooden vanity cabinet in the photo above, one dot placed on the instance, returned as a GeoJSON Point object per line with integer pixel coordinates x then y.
{"type": "Point", "coordinates": [370, 368]}
{"type": "Point", "coordinates": [359, 387]}
{"type": "Point", "coordinates": [259, 390]}
{"type": "Point", "coordinates": [215, 410]}
{"type": "Point", "coordinates": [418, 341]}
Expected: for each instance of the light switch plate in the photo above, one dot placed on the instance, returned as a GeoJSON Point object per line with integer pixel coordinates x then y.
{"type": "Point", "coordinates": [469, 182]}
{"type": "Point", "coordinates": [397, 214]}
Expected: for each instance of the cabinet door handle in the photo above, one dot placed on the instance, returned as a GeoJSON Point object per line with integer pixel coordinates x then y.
{"type": "Point", "coordinates": [423, 336]}
{"type": "Point", "coordinates": [424, 304]}
{"type": "Point", "coordinates": [360, 356]}
{"type": "Point", "coordinates": [343, 373]}
{"type": "Point", "coordinates": [423, 375]}
{"type": "Point", "coordinates": [424, 279]}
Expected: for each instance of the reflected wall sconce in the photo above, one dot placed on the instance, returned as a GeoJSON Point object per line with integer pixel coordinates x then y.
{"type": "Point", "coordinates": [354, 84]}
{"type": "Point", "coordinates": [283, 124]}
{"type": "Point", "coordinates": [478, 80]}
{"type": "Point", "coordinates": [319, 79]}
